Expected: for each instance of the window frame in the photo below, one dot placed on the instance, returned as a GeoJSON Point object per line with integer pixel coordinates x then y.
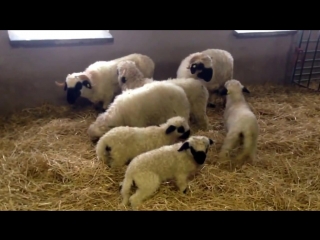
{"type": "Point", "coordinates": [18, 38]}
{"type": "Point", "coordinates": [262, 33]}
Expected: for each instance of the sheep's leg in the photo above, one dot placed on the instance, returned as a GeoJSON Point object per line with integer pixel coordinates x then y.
{"type": "Point", "coordinates": [147, 184]}
{"type": "Point", "coordinates": [212, 100]}
{"type": "Point", "coordinates": [229, 143]}
{"type": "Point", "coordinates": [182, 182]}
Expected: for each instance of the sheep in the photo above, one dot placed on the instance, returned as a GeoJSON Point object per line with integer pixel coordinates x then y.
{"type": "Point", "coordinates": [142, 107]}
{"type": "Point", "coordinates": [130, 77]}
{"type": "Point", "coordinates": [148, 170]}
{"type": "Point", "coordinates": [213, 67]}
{"type": "Point", "coordinates": [240, 123]}
{"type": "Point", "coordinates": [98, 83]}
{"type": "Point", "coordinates": [121, 144]}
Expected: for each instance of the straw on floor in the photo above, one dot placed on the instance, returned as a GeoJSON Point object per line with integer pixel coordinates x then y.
{"type": "Point", "coordinates": [48, 162]}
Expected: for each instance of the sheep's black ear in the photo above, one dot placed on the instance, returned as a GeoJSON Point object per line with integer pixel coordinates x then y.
{"type": "Point", "coordinates": [211, 141]}
{"type": "Point", "coordinates": [244, 89]}
{"type": "Point", "coordinates": [170, 129]}
{"type": "Point", "coordinates": [223, 91]}
{"type": "Point", "coordinates": [87, 84]}
{"type": "Point", "coordinates": [184, 146]}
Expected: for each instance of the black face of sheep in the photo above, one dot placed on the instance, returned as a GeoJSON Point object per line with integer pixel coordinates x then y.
{"type": "Point", "coordinates": [205, 73]}
{"type": "Point", "coordinates": [181, 129]}
{"type": "Point", "coordinates": [73, 93]}
{"type": "Point", "coordinates": [198, 156]}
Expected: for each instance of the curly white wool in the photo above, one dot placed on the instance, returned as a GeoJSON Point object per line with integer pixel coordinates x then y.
{"type": "Point", "coordinates": [98, 83]}
{"type": "Point", "coordinates": [148, 170]}
{"type": "Point", "coordinates": [217, 67]}
{"type": "Point", "coordinates": [130, 77]}
{"type": "Point", "coordinates": [121, 144]}
{"type": "Point", "coordinates": [240, 123]}
{"type": "Point", "coordinates": [142, 107]}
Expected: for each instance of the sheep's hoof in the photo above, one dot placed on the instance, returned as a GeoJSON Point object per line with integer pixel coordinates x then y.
{"type": "Point", "coordinates": [211, 105]}
{"type": "Point", "coordinates": [185, 191]}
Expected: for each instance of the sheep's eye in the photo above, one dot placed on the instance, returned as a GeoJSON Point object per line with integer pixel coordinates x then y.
{"type": "Point", "coordinates": [180, 129]}
{"type": "Point", "coordinates": [194, 66]}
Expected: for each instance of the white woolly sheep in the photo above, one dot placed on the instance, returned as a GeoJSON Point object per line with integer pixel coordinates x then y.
{"type": "Point", "coordinates": [121, 144]}
{"type": "Point", "coordinates": [130, 77]}
{"type": "Point", "coordinates": [148, 170]}
{"type": "Point", "coordinates": [240, 123]}
{"type": "Point", "coordinates": [98, 83]}
{"type": "Point", "coordinates": [149, 105]}
{"type": "Point", "coordinates": [213, 67]}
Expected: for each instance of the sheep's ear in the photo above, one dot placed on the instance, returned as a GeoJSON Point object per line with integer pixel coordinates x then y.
{"type": "Point", "coordinates": [211, 141]}
{"type": "Point", "coordinates": [184, 146]}
{"type": "Point", "coordinates": [223, 91]}
{"type": "Point", "coordinates": [83, 76]}
{"type": "Point", "coordinates": [87, 84]}
{"type": "Point", "coordinates": [170, 129]}
{"type": "Point", "coordinates": [244, 89]}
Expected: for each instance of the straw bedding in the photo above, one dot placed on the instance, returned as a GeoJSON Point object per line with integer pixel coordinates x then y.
{"type": "Point", "coordinates": [48, 162]}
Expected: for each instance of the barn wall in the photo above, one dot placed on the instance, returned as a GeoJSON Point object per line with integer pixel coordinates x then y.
{"type": "Point", "coordinates": [28, 74]}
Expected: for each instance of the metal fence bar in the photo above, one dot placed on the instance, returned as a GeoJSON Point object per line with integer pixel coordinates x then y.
{"type": "Point", "coordinates": [297, 57]}
{"type": "Point", "coordinates": [314, 57]}
{"type": "Point", "coordinates": [304, 56]}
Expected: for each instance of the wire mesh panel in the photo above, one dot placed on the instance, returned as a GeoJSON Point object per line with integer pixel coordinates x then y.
{"type": "Point", "coordinates": [306, 71]}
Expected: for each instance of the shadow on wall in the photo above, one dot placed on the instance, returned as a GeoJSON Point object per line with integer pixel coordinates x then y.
{"type": "Point", "coordinates": [28, 74]}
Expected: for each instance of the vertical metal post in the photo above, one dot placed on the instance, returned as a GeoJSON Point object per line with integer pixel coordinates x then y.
{"type": "Point", "coordinates": [313, 60]}
{"type": "Point", "coordinates": [297, 58]}
{"type": "Point", "coordinates": [304, 57]}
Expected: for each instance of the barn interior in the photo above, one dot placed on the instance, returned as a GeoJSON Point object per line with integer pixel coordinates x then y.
{"type": "Point", "coordinates": [49, 163]}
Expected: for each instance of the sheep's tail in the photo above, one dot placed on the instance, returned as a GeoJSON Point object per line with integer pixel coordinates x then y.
{"type": "Point", "coordinates": [125, 189]}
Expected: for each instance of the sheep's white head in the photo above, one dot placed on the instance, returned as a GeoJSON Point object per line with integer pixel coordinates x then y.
{"type": "Point", "coordinates": [200, 64]}
{"type": "Point", "coordinates": [74, 85]}
{"type": "Point", "coordinates": [232, 87]}
{"type": "Point", "coordinates": [127, 71]}
{"type": "Point", "coordinates": [177, 126]}
{"type": "Point", "coordinates": [198, 146]}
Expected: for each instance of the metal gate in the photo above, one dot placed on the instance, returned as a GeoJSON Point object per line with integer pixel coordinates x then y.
{"type": "Point", "coordinates": [306, 71]}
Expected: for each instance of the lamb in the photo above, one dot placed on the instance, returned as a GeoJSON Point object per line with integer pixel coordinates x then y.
{"type": "Point", "coordinates": [130, 77]}
{"type": "Point", "coordinates": [240, 123]}
{"type": "Point", "coordinates": [148, 170]}
{"type": "Point", "coordinates": [142, 107]}
{"type": "Point", "coordinates": [121, 144]}
{"type": "Point", "coordinates": [98, 83]}
{"type": "Point", "coordinates": [213, 67]}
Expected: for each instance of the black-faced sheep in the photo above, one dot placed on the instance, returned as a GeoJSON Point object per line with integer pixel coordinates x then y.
{"type": "Point", "coordinates": [98, 83]}
{"type": "Point", "coordinates": [121, 144]}
{"type": "Point", "coordinates": [149, 105]}
{"type": "Point", "coordinates": [240, 123]}
{"type": "Point", "coordinates": [213, 67]}
{"type": "Point", "coordinates": [130, 77]}
{"type": "Point", "coordinates": [148, 170]}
